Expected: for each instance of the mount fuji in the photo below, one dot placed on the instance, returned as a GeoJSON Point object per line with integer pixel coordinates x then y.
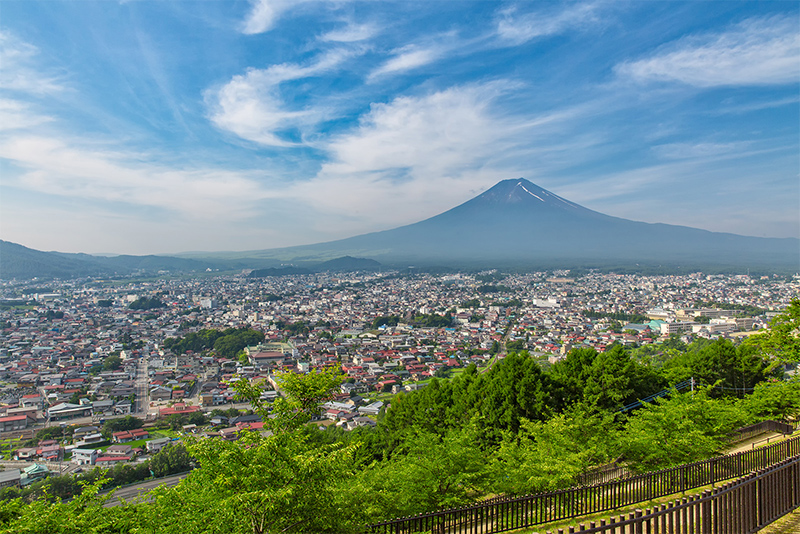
{"type": "Point", "coordinates": [517, 222]}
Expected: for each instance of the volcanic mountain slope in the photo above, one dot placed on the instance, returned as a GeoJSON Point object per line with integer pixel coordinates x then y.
{"type": "Point", "coordinates": [518, 222]}
{"type": "Point", "coordinates": [514, 224]}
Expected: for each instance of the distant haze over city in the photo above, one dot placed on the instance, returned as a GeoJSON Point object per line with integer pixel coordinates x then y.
{"type": "Point", "coordinates": [515, 224]}
{"type": "Point", "coordinates": [168, 127]}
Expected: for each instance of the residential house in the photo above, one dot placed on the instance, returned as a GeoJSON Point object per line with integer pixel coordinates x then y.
{"type": "Point", "coordinates": [110, 461]}
{"type": "Point", "coordinates": [67, 410]}
{"type": "Point", "coordinates": [371, 409]}
{"type": "Point", "coordinates": [26, 453]}
{"type": "Point", "coordinates": [14, 422]}
{"type": "Point", "coordinates": [9, 478]}
{"type": "Point", "coordinates": [160, 393]}
{"type": "Point", "coordinates": [155, 445]}
{"type": "Point", "coordinates": [84, 456]}
{"type": "Point", "coordinates": [90, 439]}
{"type": "Point", "coordinates": [32, 474]}
{"type": "Point", "coordinates": [119, 450]}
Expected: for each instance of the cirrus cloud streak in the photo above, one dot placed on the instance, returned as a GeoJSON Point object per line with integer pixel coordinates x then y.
{"type": "Point", "coordinates": [758, 51]}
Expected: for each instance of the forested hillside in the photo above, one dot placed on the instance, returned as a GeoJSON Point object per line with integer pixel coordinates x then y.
{"type": "Point", "coordinates": [517, 428]}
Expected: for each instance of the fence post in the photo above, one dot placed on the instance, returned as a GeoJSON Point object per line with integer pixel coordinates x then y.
{"type": "Point", "coordinates": [683, 478]}
{"type": "Point", "coordinates": [705, 510]}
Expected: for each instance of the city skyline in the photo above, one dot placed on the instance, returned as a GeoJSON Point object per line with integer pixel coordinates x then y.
{"type": "Point", "coordinates": [147, 127]}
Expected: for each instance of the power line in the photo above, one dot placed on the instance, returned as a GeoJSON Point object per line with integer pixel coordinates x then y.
{"type": "Point", "coordinates": [639, 403]}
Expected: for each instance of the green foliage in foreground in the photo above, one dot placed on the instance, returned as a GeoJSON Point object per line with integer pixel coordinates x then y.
{"type": "Point", "coordinates": [294, 481]}
{"type": "Point", "coordinates": [169, 461]}
{"type": "Point", "coordinates": [513, 429]}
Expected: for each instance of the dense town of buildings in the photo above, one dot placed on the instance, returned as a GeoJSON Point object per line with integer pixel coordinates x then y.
{"type": "Point", "coordinates": [77, 352]}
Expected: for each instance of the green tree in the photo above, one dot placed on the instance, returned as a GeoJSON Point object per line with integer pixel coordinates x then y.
{"type": "Point", "coordinates": [259, 485]}
{"type": "Point", "coordinates": [516, 345]}
{"type": "Point", "coordinates": [145, 303]}
{"type": "Point", "coordinates": [262, 484]}
{"type": "Point", "coordinates": [569, 376]}
{"type": "Point", "coordinates": [683, 428]}
{"type": "Point", "coordinates": [778, 400]}
{"type": "Point", "coordinates": [550, 455]}
{"type": "Point", "coordinates": [427, 472]}
{"type": "Point", "coordinates": [514, 389]}
{"type": "Point", "coordinates": [300, 400]}
{"type": "Point", "coordinates": [781, 343]}
{"type": "Point", "coordinates": [118, 425]}
{"type": "Point", "coordinates": [170, 460]}
{"type": "Point", "coordinates": [112, 363]}
{"type": "Point", "coordinates": [614, 380]}
{"type": "Point", "coordinates": [734, 370]}
{"type": "Point", "coordinates": [443, 372]}
{"type": "Point", "coordinates": [84, 514]}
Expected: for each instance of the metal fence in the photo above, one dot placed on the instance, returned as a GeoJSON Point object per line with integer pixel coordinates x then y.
{"type": "Point", "coordinates": [744, 506]}
{"type": "Point", "coordinates": [510, 513]}
{"type": "Point", "coordinates": [604, 473]}
{"type": "Point", "coordinates": [779, 427]}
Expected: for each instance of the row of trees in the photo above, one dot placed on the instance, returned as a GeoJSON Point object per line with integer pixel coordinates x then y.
{"type": "Point", "coordinates": [301, 479]}
{"type": "Point", "coordinates": [228, 342]}
{"type": "Point", "coordinates": [168, 461]}
{"type": "Point", "coordinates": [617, 316]}
{"type": "Point", "coordinates": [146, 303]}
{"type": "Point", "coordinates": [432, 320]}
{"type": "Point", "coordinates": [514, 429]}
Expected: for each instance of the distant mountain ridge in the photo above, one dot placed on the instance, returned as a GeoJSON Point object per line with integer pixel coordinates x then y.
{"type": "Point", "coordinates": [519, 223]}
{"type": "Point", "coordinates": [19, 262]}
{"type": "Point", "coordinates": [514, 224]}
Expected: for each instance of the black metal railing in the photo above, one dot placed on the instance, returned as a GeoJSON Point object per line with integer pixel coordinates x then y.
{"type": "Point", "coordinates": [510, 513]}
{"type": "Point", "coordinates": [743, 506]}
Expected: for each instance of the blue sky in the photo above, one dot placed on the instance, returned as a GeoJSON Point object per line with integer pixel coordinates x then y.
{"type": "Point", "coordinates": [160, 127]}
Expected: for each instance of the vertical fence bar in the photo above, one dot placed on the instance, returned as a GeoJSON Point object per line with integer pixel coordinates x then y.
{"type": "Point", "coordinates": [763, 496]}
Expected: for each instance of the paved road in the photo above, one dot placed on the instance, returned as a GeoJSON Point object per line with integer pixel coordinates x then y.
{"type": "Point", "coordinates": [128, 493]}
{"type": "Point", "coordinates": [142, 392]}
{"type": "Point", "coordinates": [502, 352]}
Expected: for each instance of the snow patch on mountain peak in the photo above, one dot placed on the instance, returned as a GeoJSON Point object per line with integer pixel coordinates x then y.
{"type": "Point", "coordinates": [526, 190]}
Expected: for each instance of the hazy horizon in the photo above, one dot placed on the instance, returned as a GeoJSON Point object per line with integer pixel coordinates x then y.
{"type": "Point", "coordinates": [170, 127]}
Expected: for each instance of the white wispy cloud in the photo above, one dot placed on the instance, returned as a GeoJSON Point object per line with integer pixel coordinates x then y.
{"type": "Point", "coordinates": [19, 70]}
{"type": "Point", "coordinates": [408, 58]}
{"type": "Point", "coordinates": [419, 155]}
{"type": "Point", "coordinates": [510, 28]}
{"type": "Point", "coordinates": [264, 14]}
{"type": "Point", "coordinates": [252, 107]}
{"type": "Point", "coordinates": [55, 167]}
{"type": "Point", "coordinates": [435, 131]}
{"type": "Point", "coordinates": [758, 106]}
{"type": "Point", "coordinates": [16, 115]}
{"type": "Point", "coordinates": [516, 28]}
{"type": "Point", "coordinates": [351, 33]}
{"type": "Point", "coordinates": [699, 150]}
{"type": "Point", "coordinates": [758, 51]}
